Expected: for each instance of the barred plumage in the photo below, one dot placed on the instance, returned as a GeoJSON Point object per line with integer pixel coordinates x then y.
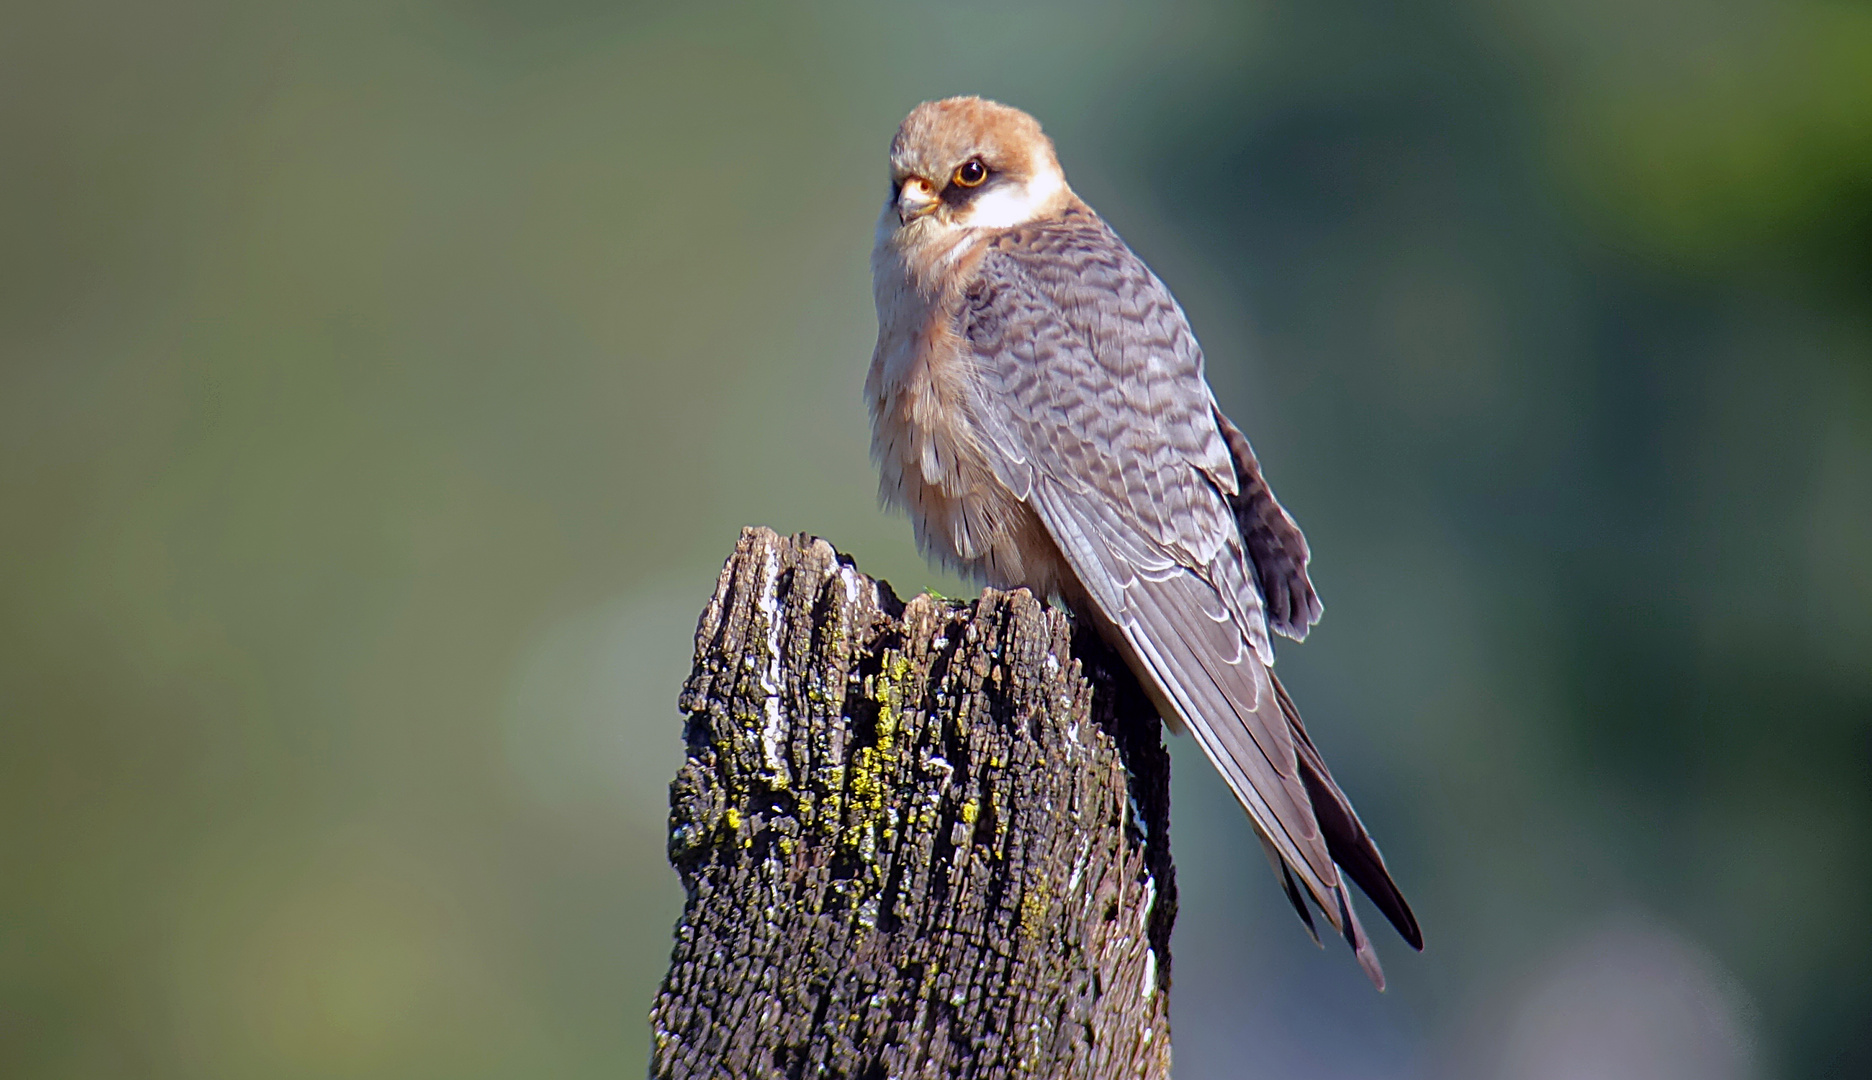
{"type": "Point", "coordinates": [1039, 406]}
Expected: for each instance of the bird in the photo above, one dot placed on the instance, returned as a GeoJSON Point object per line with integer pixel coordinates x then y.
{"type": "Point", "coordinates": [1039, 408]}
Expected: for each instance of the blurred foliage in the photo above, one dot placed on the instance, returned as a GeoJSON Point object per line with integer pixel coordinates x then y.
{"type": "Point", "coordinates": [1754, 132]}
{"type": "Point", "coordinates": [382, 384]}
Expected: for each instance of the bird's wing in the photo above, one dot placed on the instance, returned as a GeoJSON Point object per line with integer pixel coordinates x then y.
{"type": "Point", "coordinates": [1089, 391]}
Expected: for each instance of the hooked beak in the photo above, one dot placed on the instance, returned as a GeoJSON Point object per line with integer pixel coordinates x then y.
{"type": "Point", "coordinates": [914, 199]}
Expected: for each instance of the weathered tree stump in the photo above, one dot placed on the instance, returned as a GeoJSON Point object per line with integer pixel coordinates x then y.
{"type": "Point", "coordinates": [918, 840]}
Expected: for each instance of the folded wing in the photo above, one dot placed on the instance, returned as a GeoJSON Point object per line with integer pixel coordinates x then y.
{"type": "Point", "coordinates": [1092, 403]}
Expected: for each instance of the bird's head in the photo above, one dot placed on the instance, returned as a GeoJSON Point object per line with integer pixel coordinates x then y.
{"type": "Point", "coordinates": [969, 163]}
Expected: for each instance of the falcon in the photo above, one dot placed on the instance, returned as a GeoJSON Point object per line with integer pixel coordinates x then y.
{"type": "Point", "coordinates": [1038, 407]}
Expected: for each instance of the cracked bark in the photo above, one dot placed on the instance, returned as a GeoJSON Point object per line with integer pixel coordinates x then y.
{"type": "Point", "coordinates": [923, 839]}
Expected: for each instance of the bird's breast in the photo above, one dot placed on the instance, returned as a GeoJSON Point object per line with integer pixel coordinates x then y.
{"type": "Point", "coordinates": [933, 460]}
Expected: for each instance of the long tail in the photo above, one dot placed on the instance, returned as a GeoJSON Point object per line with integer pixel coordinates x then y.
{"type": "Point", "coordinates": [1200, 650]}
{"type": "Point", "coordinates": [1346, 839]}
{"type": "Point", "coordinates": [1202, 672]}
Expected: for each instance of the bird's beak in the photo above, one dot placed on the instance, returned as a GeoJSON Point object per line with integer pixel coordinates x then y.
{"type": "Point", "coordinates": [914, 199]}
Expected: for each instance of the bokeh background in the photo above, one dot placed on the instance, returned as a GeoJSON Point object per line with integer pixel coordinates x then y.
{"type": "Point", "coordinates": [382, 385]}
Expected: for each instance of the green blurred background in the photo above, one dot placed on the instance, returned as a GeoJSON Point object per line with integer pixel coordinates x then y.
{"type": "Point", "coordinates": [382, 385]}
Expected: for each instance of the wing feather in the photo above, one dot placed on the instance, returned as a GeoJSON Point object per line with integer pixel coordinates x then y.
{"type": "Point", "coordinates": [1090, 398]}
{"type": "Point", "coordinates": [1351, 846]}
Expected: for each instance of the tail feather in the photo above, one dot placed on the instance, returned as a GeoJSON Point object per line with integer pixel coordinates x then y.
{"type": "Point", "coordinates": [1357, 938]}
{"type": "Point", "coordinates": [1351, 847]}
{"type": "Point", "coordinates": [1290, 886]}
{"type": "Point", "coordinates": [1200, 650]}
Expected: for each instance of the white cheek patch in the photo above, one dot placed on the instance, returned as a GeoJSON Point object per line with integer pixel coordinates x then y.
{"type": "Point", "coordinates": [1010, 204]}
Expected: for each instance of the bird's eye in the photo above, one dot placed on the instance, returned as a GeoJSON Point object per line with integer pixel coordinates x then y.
{"type": "Point", "coordinates": [971, 173]}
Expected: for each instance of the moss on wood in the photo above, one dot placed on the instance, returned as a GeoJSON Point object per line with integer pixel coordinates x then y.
{"type": "Point", "coordinates": [923, 839]}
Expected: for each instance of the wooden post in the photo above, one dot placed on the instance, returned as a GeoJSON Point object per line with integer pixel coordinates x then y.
{"type": "Point", "coordinates": [918, 840]}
